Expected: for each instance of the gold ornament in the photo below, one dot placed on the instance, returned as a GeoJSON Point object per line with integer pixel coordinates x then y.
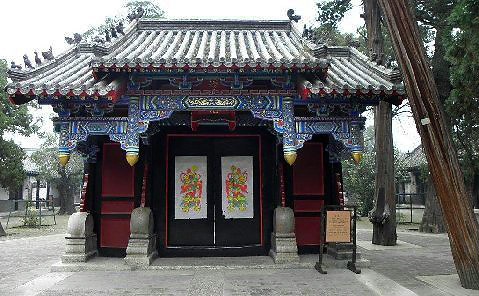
{"type": "Point", "coordinates": [63, 159]}
{"type": "Point", "coordinates": [132, 158]}
{"type": "Point", "coordinates": [290, 157]}
{"type": "Point", "coordinates": [357, 156]}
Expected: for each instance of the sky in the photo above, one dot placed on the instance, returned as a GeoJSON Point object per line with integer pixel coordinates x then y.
{"type": "Point", "coordinates": [27, 26]}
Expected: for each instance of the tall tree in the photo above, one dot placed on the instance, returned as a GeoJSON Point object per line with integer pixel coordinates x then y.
{"type": "Point", "coordinates": [423, 96]}
{"type": "Point", "coordinates": [66, 179]}
{"type": "Point", "coordinates": [13, 119]}
{"type": "Point", "coordinates": [383, 216]}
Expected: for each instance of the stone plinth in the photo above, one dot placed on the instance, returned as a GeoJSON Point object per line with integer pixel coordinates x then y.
{"type": "Point", "coordinates": [81, 241]}
{"type": "Point", "coordinates": [283, 239]}
{"type": "Point", "coordinates": [476, 212]}
{"type": "Point", "coordinates": [141, 248]}
{"type": "Point", "coordinates": [342, 251]}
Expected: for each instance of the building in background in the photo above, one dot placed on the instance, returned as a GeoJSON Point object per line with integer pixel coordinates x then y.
{"type": "Point", "coordinates": [30, 189]}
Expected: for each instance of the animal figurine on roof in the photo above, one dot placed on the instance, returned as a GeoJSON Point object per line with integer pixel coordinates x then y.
{"type": "Point", "coordinates": [15, 66]}
{"type": "Point", "coordinates": [97, 39]}
{"type": "Point", "coordinates": [107, 36]}
{"type": "Point", "coordinates": [293, 17]}
{"type": "Point", "coordinates": [77, 37]}
{"type": "Point", "coordinates": [69, 40]}
{"type": "Point", "coordinates": [119, 28]}
{"type": "Point", "coordinates": [113, 32]}
{"type": "Point", "coordinates": [75, 40]}
{"type": "Point", "coordinates": [27, 62]}
{"type": "Point", "coordinates": [38, 61]}
{"type": "Point", "coordinates": [48, 55]}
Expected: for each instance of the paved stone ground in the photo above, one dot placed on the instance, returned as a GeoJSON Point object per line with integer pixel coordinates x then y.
{"type": "Point", "coordinates": [405, 265]}
{"type": "Point", "coordinates": [25, 270]}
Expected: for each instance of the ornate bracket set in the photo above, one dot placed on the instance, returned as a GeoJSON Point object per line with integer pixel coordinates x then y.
{"type": "Point", "coordinates": [145, 109]}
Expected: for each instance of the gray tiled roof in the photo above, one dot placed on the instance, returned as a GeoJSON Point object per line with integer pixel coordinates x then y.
{"type": "Point", "coordinates": [415, 158]}
{"type": "Point", "coordinates": [86, 69]}
{"type": "Point", "coordinates": [351, 71]}
{"type": "Point", "coordinates": [69, 74]}
{"type": "Point", "coordinates": [209, 43]}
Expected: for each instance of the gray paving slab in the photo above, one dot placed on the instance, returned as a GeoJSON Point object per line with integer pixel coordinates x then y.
{"type": "Point", "coordinates": [25, 270]}
{"type": "Point", "coordinates": [22, 260]}
{"type": "Point", "coordinates": [448, 285]}
{"type": "Point", "coordinates": [226, 282]}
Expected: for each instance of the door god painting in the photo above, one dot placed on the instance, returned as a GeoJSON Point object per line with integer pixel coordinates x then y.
{"type": "Point", "coordinates": [237, 179]}
{"type": "Point", "coordinates": [190, 187]}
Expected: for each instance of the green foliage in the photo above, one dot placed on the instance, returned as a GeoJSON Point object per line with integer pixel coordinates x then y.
{"type": "Point", "coordinates": [151, 7]}
{"type": "Point", "coordinates": [66, 179]}
{"type": "Point", "coordinates": [31, 218]}
{"type": "Point", "coordinates": [49, 167]}
{"type": "Point", "coordinates": [462, 106]}
{"type": "Point", "coordinates": [13, 119]}
{"type": "Point", "coordinates": [331, 12]}
{"type": "Point", "coordinates": [359, 178]}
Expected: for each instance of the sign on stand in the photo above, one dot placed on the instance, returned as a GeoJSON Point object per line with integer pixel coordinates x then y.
{"type": "Point", "coordinates": [336, 224]}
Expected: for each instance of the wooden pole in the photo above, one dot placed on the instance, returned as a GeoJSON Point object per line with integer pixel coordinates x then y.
{"type": "Point", "coordinates": [441, 156]}
{"type": "Point", "coordinates": [383, 216]}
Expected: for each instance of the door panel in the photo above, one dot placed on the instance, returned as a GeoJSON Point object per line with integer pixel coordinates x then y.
{"type": "Point", "coordinates": [237, 231]}
{"type": "Point", "coordinates": [188, 232]}
{"type": "Point", "coordinates": [214, 231]}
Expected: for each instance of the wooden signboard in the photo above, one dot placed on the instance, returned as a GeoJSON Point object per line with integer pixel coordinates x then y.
{"type": "Point", "coordinates": [338, 227]}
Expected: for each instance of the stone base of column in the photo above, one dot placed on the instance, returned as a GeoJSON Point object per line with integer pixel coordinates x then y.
{"type": "Point", "coordinates": [284, 248]}
{"type": "Point", "coordinates": [283, 239]}
{"type": "Point", "coordinates": [81, 242]}
{"type": "Point", "coordinates": [141, 250]}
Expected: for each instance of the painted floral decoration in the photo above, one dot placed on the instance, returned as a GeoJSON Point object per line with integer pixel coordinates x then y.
{"type": "Point", "coordinates": [191, 190]}
{"type": "Point", "coordinates": [236, 188]}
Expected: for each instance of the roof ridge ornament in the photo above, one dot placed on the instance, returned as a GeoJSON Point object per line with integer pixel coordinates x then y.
{"type": "Point", "coordinates": [293, 17]}
{"type": "Point", "coordinates": [136, 15]}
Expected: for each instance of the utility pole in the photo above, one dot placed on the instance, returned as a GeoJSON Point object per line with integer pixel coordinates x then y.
{"type": "Point", "coordinates": [423, 97]}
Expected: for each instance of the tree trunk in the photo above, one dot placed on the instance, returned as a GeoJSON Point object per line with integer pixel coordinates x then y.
{"type": "Point", "coordinates": [443, 164]}
{"type": "Point", "coordinates": [66, 198]}
{"type": "Point", "coordinates": [383, 215]}
{"type": "Point", "coordinates": [2, 232]}
{"type": "Point", "coordinates": [432, 221]}
{"type": "Point", "coordinates": [475, 189]}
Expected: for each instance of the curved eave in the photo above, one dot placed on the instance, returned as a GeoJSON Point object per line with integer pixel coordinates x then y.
{"type": "Point", "coordinates": [111, 90]}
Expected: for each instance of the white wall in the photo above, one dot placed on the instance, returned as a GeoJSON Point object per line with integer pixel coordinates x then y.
{"type": "Point", "coordinates": [3, 194]}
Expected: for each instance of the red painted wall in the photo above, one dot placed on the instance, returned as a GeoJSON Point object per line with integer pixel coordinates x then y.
{"type": "Point", "coordinates": [308, 193]}
{"type": "Point", "coordinates": [118, 193]}
{"type": "Point", "coordinates": [308, 170]}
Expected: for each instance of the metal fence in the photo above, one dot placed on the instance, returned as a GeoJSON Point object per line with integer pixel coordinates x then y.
{"type": "Point", "coordinates": [409, 207]}
{"type": "Point", "coordinates": [37, 206]}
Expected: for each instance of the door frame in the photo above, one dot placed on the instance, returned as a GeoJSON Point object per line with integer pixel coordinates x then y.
{"type": "Point", "coordinates": [187, 135]}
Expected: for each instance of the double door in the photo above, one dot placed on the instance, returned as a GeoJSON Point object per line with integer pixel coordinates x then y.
{"type": "Point", "coordinates": [214, 199]}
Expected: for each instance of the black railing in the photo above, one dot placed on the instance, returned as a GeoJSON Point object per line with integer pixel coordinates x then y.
{"type": "Point", "coordinates": [36, 205]}
{"type": "Point", "coordinates": [409, 202]}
